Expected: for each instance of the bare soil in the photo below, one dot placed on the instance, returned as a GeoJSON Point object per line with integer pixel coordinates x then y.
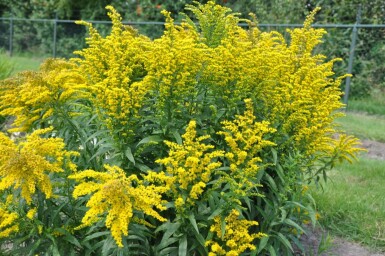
{"type": "Point", "coordinates": [335, 247]}
{"type": "Point", "coordinates": [376, 150]}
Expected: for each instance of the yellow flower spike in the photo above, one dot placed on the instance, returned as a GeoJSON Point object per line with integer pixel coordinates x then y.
{"type": "Point", "coordinates": [113, 68]}
{"type": "Point", "coordinates": [113, 195]}
{"type": "Point", "coordinates": [32, 96]}
{"type": "Point", "coordinates": [26, 165]}
{"type": "Point", "coordinates": [244, 137]}
{"type": "Point", "coordinates": [191, 164]}
{"type": "Point", "coordinates": [8, 220]}
{"type": "Point", "coordinates": [31, 213]}
{"type": "Point", "coordinates": [236, 237]}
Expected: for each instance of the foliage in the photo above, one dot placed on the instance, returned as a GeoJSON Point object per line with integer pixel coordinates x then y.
{"type": "Point", "coordinates": [202, 141]}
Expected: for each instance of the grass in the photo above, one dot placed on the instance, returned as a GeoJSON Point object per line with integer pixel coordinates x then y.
{"type": "Point", "coordinates": [374, 105]}
{"type": "Point", "coordinates": [352, 203]}
{"type": "Point", "coordinates": [22, 63]}
{"type": "Point", "coordinates": [364, 126]}
{"type": "Point", "coordinates": [25, 63]}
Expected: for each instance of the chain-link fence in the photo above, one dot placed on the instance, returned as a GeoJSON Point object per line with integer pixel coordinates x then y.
{"type": "Point", "coordinates": [360, 46]}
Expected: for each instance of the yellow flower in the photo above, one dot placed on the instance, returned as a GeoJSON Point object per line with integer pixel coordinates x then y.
{"type": "Point", "coordinates": [113, 195]}
{"type": "Point", "coordinates": [31, 213]}
{"type": "Point", "coordinates": [32, 96]}
{"type": "Point", "coordinates": [27, 165]}
{"type": "Point", "coordinates": [191, 164]}
{"type": "Point", "coordinates": [8, 220]}
{"type": "Point", "coordinates": [244, 137]}
{"type": "Point", "coordinates": [113, 69]}
{"type": "Point", "coordinates": [236, 238]}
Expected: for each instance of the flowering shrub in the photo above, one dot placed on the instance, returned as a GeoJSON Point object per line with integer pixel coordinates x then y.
{"type": "Point", "coordinates": [200, 142]}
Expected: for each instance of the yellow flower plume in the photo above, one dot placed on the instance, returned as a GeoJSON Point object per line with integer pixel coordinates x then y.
{"type": "Point", "coordinates": [27, 165]}
{"type": "Point", "coordinates": [114, 194]}
{"type": "Point", "coordinates": [8, 220]}
{"type": "Point", "coordinates": [191, 164]}
{"type": "Point", "coordinates": [236, 238]}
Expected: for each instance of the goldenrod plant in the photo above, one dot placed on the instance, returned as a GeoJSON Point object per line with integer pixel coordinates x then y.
{"type": "Point", "coordinates": [200, 142]}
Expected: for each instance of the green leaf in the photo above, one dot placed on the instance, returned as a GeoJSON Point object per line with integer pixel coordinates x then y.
{"type": "Point", "coordinates": [198, 236]}
{"type": "Point", "coordinates": [168, 251]}
{"type": "Point", "coordinates": [142, 167]}
{"type": "Point", "coordinates": [293, 224]}
{"type": "Point", "coordinates": [262, 243]}
{"type": "Point", "coordinates": [271, 182]}
{"type": "Point", "coordinates": [284, 240]}
{"type": "Point", "coordinates": [170, 228]}
{"type": "Point", "coordinates": [54, 248]}
{"type": "Point", "coordinates": [183, 246]}
{"type": "Point", "coordinates": [95, 135]}
{"type": "Point", "coordinates": [275, 158]}
{"type": "Point", "coordinates": [96, 235]}
{"type": "Point", "coordinates": [152, 138]}
{"type": "Point", "coordinates": [57, 212]}
{"type": "Point", "coordinates": [280, 173]}
{"type": "Point", "coordinates": [164, 244]}
{"type": "Point", "coordinates": [101, 151]}
{"type": "Point", "coordinates": [69, 237]}
{"type": "Point", "coordinates": [223, 227]}
{"type": "Point", "coordinates": [272, 251]}
{"type": "Point", "coordinates": [215, 213]}
{"type": "Point", "coordinates": [129, 155]}
{"type": "Point", "coordinates": [298, 244]}
{"type": "Point", "coordinates": [193, 222]}
{"type": "Point", "coordinates": [177, 137]}
{"type": "Point", "coordinates": [109, 243]}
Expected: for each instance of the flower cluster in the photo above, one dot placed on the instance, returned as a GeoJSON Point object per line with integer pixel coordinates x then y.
{"type": "Point", "coordinates": [191, 165]}
{"type": "Point", "coordinates": [244, 138]}
{"type": "Point", "coordinates": [256, 112]}
{"type": "Point", "coordinates": [118, 196]}
{"type": "Point", "coordinates": [8, 220]}
{"type": "Point", "coordinates": [113, 69]}
{"type": "Point", "coordinates": [27, 165]}
{"type": "Point", "coordinates": [235, 238]}
{"type": "Point", "coordinates": [36, 96]}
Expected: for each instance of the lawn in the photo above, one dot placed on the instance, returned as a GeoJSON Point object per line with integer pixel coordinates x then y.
{"type": "Point", "coordinates": [352, 204]}
{"type": "Point", "coordinates": [364, 126]}
{"type": "Point", "coordinates": [374, 105]}
{"type": "Point", "coordinates": [25, 63]}
{"type": "Point", "coordinates": [21, 63]}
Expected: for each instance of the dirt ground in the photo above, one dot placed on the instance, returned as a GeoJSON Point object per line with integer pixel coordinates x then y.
{"type": "Point", "coordinates": [338, 246]}
{"type": "Point", "coordinates": [376, 150]}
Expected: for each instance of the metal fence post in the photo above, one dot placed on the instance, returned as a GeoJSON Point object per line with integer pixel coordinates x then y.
{"type": "Point", "coordinates": [10, 49]}
{"type": "Point", "coordinates": [54, 36]}
{"type": "Point", "coordinates": [351, 55]}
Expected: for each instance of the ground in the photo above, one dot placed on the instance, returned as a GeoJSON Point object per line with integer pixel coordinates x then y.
{"type": "Point", "coordinates": [376, 150]}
